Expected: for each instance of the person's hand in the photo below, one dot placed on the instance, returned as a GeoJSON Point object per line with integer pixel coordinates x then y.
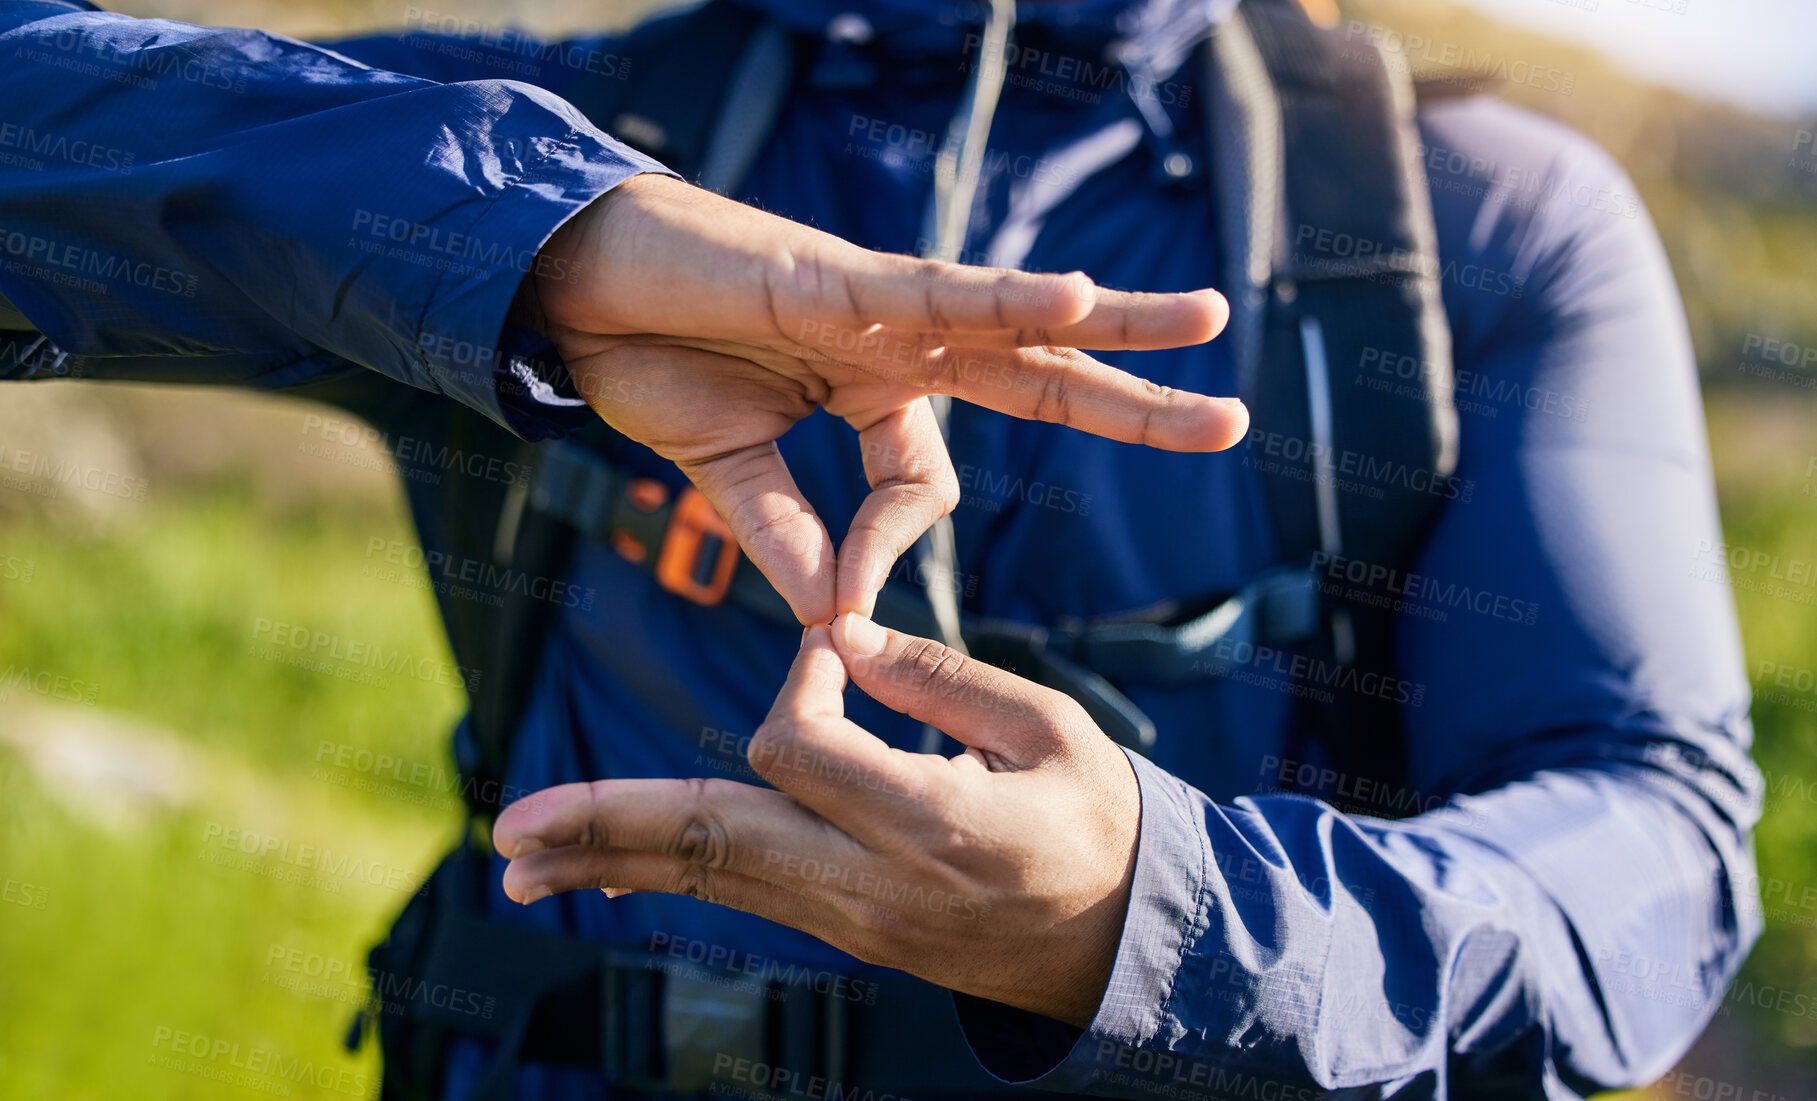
{"type": "Point", "coordinates": [704, 328]}
{"type": "Point", "coordinates": [1003, 872]}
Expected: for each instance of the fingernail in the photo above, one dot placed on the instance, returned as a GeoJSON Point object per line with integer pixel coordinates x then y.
{"type": "Point", "coordinates": [613, 892]}
{"type": "Point", "coordinates": [527, 846]}
{"type": "Point", "coordinates": [863, 636]}
{"type": "Point", "coordinates": [536, 894]}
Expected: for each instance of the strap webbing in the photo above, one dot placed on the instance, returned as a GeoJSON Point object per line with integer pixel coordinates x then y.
{"type": "Point", "coordinates": [758, 91]}
{"type": "Point", "coordinates": [685, 68]}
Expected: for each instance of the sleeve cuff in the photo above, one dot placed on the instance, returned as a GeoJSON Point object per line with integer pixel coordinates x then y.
{"type": "Point", "coordinates": [1166, 915]}
{"type": "Point", "coordinates": [509, 373]}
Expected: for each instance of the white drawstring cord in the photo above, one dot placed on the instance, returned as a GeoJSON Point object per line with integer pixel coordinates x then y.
{"type": "Point", "coordinates": [956, 175]}
{"type": "Point", "coordinates": [961, 160]}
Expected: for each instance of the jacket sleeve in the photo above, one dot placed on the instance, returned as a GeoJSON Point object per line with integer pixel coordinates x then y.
{"type": "Point", "coordinates": [1568, 911]}
{"type": "Point", "coordinates": [181, 203]}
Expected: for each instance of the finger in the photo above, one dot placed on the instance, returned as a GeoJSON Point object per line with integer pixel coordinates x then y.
{"type": "Point", "coordinates": [618, 870]}
{"type": "Point", "coordinates": [1064, 386]}
{"type": "Point", "coordinates": [912, 485]}
{"type": "Point", "coordinates": [751, 487]}
{"type": "Point", "coordinates": [1135, 321]}
{"type": "Point", "coordinates": [983, 706]}
{"type": "Point", "coordinates": [877, 288]}
{"type": "Point", "coordinates": [807, 748]}
{"type": "Point", "coordinates": [658, 256]}
{"type": "Point", "coordinates": [1120, 321]}
{"type": "Point", "coordinates": [749, 830]}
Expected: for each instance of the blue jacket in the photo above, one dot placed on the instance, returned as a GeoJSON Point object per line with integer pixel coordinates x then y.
{"type": "Point", "coordinates": [1571, 888]}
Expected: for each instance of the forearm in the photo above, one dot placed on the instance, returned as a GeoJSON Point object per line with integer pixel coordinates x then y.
{"type": "Point", "coordinates": [1278, 945]}
{"type": "Point", "coordinates": [250, 209]}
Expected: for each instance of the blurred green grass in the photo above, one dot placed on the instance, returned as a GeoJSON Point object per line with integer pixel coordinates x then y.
{"type": "Point", "coordinates": [1765, 450]}
{"type": "Point", "coordinates": [118, 934]}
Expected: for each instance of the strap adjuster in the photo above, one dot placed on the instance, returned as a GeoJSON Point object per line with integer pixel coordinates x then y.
{"type": "Point", "coordinates": [698, 552]}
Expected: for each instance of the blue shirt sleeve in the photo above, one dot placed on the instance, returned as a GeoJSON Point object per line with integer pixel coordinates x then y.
{"type": "Point", "coordinates": [181, 203]}
{"type": "Point", "coordinates": [1568, 913]}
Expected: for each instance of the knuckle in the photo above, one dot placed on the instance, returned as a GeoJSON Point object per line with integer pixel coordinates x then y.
{"type": "Point", "coordinates": [1159, 398]}
{"type": "Point", "coordinates": [932, 366]}
{"type": "Point", "coordinates": [936, 670]}
{"type": "Point", "coordinates": [591, 832]}
{"type": "Point", "coordinates": [938, 666]}
{"type": "Point", "coordinates": [936, 317]}
{"type": "Point", "coordinates": [915, 498]}
{"type": "Point", "coordinates": [1053, 404]}
{"type": "Point", "coordinates": [703, 838]}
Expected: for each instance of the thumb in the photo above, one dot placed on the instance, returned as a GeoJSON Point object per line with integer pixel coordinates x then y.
{"type": "Point", "coordinates": [809, 749]}
{"type": "Point", "coordinates": [816, 682]}
{"type": "Point", "coordinates": [983, 706]}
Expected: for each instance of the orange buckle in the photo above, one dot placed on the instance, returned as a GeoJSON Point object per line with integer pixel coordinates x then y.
{"type": "Point", "coordinates": [685, 566]}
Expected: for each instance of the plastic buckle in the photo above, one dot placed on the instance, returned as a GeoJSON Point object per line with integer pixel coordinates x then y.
{"type": "Point", "coordinates": [698, 551]}
{"type": "Point", "coordinates": [709, 1027]}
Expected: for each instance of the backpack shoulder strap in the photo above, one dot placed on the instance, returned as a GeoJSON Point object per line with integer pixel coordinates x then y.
{"type": "Point", "coordinates": [703, 90]}
{"type": "Point", "coordinates": [1343, 350]}
{"type": "Point", "coordinates": [1332, 257]}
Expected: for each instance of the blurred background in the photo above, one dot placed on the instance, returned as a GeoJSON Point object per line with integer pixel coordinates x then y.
{"type": "Point", "coordinates": [197, 838]}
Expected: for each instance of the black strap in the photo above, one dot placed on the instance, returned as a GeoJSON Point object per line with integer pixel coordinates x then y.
{"type": "Point", "coordinates": [682, 69]}
{"type": "Point", "coordinates": [1333, 266]}
{"type": "Point", "coordinates": [674, 1019]}
{"type": "Point", "coordinates": [1355, 251]}
{"type": "Point", "coordinates": [579, 486]}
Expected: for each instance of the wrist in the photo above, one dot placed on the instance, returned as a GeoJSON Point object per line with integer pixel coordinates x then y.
{"type": "Point", "coordinates": [573, 278]}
